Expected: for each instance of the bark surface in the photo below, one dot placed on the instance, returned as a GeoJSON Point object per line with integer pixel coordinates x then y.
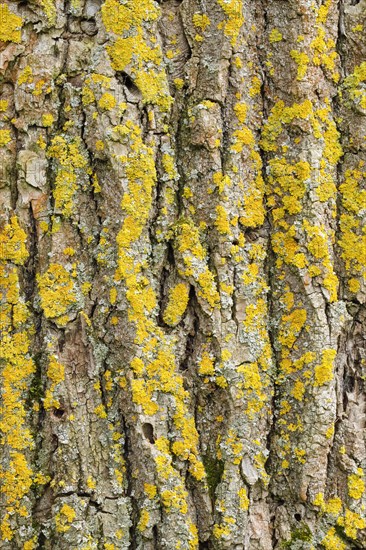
{"type": "Point", "coordinates": [182, 274]}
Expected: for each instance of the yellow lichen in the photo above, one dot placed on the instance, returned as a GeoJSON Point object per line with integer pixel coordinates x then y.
{"type": "Point", "coordinates": [10, 25]}
{"type": "Point", "coordinates": [5, 137]}
{"type": "Point", "coordinates": [47, 119]}
{"type": "Point", "coordinates": [15, 372]}
{"type": "Point", "coordinates": [64, 518]}
{"type": "Point", "coordinates": [91, 483]}
{"type": "Point", "coordinates": [136, 19]}
{"type": "Point", "coordinates": [222, 221]}
{"type": "Point", "coordinates": [49, 7]}
{"type": "Point", "coordinates": [324, 371]}
{"type": "Point", "coordinates": [201, 21]}
{"type": "Point", "coordinates": [70, 163]}
{"type": "Point", "coordinates": [177, 304]}
{"type": "Point", "coordinates": [302, 60]}
{"type": "Point", "coordinates": [206, 365]}
{"type": "Point", "coordinates": [243, 499]}
{"type": "Point", "coordinates": [150, 490]}
{"type": "Point", "coordinates": [233, 10]}
{"type": "Point", "coordinates": [56, 290]}
{"type": "Point", "coordinates": [356, 484]}
{"type": "Point", "coordinates": [275, 36]}
{"type": "Point", "coordinates": [332, 542]}
{"type": "Point", "coordinates": [144, 520]}
{"type": "Point", "coordinates": [56, 374]}
{"type": "Point", "coordinates": [107, 102]}
{"type": "Point", "coordinates": [351, 522]}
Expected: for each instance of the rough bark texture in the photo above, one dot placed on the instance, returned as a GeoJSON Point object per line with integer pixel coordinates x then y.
{"type": "Point", "coordinates": [182, 274]}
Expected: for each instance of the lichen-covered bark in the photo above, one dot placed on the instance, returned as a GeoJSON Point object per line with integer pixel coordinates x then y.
{"type": "Point", "coordinates": [182, 274]}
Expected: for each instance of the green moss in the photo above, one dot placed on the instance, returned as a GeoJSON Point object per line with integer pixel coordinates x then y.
{"type": "Point", "coordinates": [302, 533]}
{"type": "Point", "coordinates": [214, 469]}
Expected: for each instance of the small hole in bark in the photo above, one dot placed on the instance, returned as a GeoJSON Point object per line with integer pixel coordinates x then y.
{"type": "Point", "coordinates": [350, 383]}
{"type": "Point", "coordinates": [89, 26]}
{"type": "Point", "coordinates": [58, 413]}
{"type": "Point", "coordinates": [129, 83]}
{"type": "Point", "coordinates": [203, 545]}
{"type": "Point", "coordinates": [297, 517]}
{"type": "Point", "coordinates": [148, 432]}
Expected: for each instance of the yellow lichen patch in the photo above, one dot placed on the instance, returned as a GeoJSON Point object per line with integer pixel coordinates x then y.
{"type": "Point", "coordinates": [100, 411]}
{"type": "Point", "coordinates": [113, 295]}
{"type": "Point", "coordinates": [131, 23]}
{"type": "Point", "coordinates": [10, 25]}
{"type": "Point", "coordinates": [107, 102]}
{"type": "Point", "coordinates": [323, 49]}
{"type": "Point", "coordinates": [206, 365]}
{"type": "Point", "coordinates": [243, 499]}
{"type": "Point", "coordinates": [221, 181]}
{"type": "Point", "coordinates": [223, 529]}
{"type": "Point", "coordinates": [275, 36]}
{"type": "Point", "coordinates": [47, 120]}
{"type": "Point", "coordinates": [201, 21]}
{"type": "Point", "coordinates": [15, 372]}
{"type": "Point", "coordinates": [150, 490]}
{"type": "Point", "coordinates": [144, 520]}
{"type": "Point", "coordinates": [253, 209]}
{"type": "Point", "coordinates": [222, 221]}
{"type": "Point", "coordinates": [56, 374]}
{"type": "Point", "coordinates": [318, 244]}
{"type": "Point", "coordinates": [189, 245]}
{"type": "Point", "coordinates": [56, 290]}
{"type": "Point", "coordinates": [279, 116]}
{"type": "Point", "coordinates": [64, 518]}
{"type": "Point", "coordinates": [356, 484]}
{"type": "Point", "coordinates": [241, 111]}
{"type": "Point", "coordinates": [287, 181]}
{"type": "Point", "coordinates": [70, 163]}
{"type": "Point", "coordinates": [351, 522]}
{"type": "Point", "coordinates": [302, 60]}
{"type": "Point", "coordinates": [353, 237]}
{"type": "Point", "coordinates": [324, 371]}
{"type": "Point", "coordinates": [332, 541]}
{"type": "Point", "coordinates": [233, 10]}
{"type": "Point", "coordinates": [253, 386]}
{"type": "Point", "coordinates": [298, 390]}
{"type": "Point", "coordinates": [5, 137]}
{"type": "Point", "coordinates": [291, 325]}
{"type": "Point", "coordinates": [12, 243]}
{"type": "Point", "coordinates": [49, 7]}
{"type": "Point", "coordinates": [174, 497]}
{"type": "Point", "coordinates": [177, 304]}
{"type": "Point", "coordinates": [155, 373]}
{"type": "Point", "coordinates": [243, 137]}
{"type": "Point", "coordinates": [353, 84]}
{"type": "Point", "coordinates": [91, 483]}
{"type": "Point", "coordinates": [178, 83]}
{"type": "Point", "coordinates": [26, 76]}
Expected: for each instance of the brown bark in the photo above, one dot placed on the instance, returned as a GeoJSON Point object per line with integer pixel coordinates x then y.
{"type": "Point", "coordinates": [182, 274]}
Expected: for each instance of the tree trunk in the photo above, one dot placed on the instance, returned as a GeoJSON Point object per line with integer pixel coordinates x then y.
{"type": "Point", "coordinates": [182, 274]}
